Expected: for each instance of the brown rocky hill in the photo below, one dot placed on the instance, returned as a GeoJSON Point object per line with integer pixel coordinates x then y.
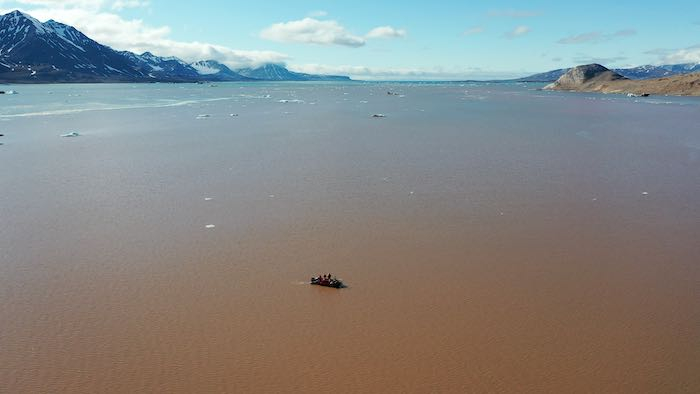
{"type": "Point", "coordinates": [596, 78]}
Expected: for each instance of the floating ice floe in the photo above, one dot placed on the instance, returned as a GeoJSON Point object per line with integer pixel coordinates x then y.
{"type": "Point", "coordinates": [645, 193]}
{"type": "Point", "coordinates": [209, 226]}
{"type": "Point", "coordinates": [203, 116]}
{"type": "Point", "coordinates": [232, 115]}
{"type": "Point", "coordinates": [379, 116]}
{"type": "Point", "coordinates": [294, 101]}
{"type": "Point", "coordinates": [208, 198]}
{"type": "Point", "coordinates": [71, 134]}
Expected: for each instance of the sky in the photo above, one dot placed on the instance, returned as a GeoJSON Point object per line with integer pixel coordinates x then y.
{"type": "Point", "coordinates": [407, 40]}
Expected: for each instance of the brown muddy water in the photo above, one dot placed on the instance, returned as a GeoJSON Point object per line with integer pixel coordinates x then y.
{"type": "Point", "coordinates": [493, 238]}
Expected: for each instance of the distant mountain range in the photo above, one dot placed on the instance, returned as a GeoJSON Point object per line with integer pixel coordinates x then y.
{"type": "Point", "coordinates": [641, 72]}
{"type": "Point", "coordinates": [35, 52]}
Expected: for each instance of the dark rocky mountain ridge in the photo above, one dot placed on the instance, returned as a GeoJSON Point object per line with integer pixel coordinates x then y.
{"type": "Point", "coordinates": [36, 52]}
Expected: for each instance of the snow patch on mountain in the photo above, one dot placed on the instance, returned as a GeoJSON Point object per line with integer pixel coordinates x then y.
{"type": "Point", "coordinates": [205, 68]}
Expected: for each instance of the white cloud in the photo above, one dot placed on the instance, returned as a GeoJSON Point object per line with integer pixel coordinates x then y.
{"type": "Point", "coordinates": [134, 35]}
{"type": "Point", "coordinates": [595, 37]}
{"type": "Point", "coordinates": [324, 32]}
{"type": "Point", "coordinates": [624, 33]}
{"type": "Point", "coordinates": [122, 4]}
{"type": "Point", "coordinates": [680, 56]}
{"type": "Point", "coordinates": [312, 31]}
{"type": "Point", "coordinates": [473, 31]}
{"type": "Point", "coordinates": [517, 32]}
{"type": "Point", "coordinates": [385, 32]}
{"type": "Point", "coordinates": [83, 4]}
{"type": "Point", "coordinates": [610, 61]}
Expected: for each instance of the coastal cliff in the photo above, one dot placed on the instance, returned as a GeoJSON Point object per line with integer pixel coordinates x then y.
{"type": "Point", "coordinates": [597, 78]}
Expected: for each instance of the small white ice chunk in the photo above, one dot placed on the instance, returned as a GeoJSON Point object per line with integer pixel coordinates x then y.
{"type": "Point", "coordinates": [645, 193]}
{"type": "Point", "coordinates": [71, 134]}
{"type": "Point", "coordinates": [203, 116]}
{"type": "Point", "coordinates": [207, 199]}
{"type": "Point", "coordinates": [379, 116]}
{"type": "Point", "coordinates": [209, 226]}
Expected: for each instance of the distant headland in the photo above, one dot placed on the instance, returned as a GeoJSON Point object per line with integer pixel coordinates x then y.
{"type": "Point", "coordinates": [597, 78]}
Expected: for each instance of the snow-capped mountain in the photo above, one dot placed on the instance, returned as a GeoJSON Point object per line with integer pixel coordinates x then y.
{"type": "Point", "coordinates": [645, 72]}
{"type": "Point", "coordinates": [649, 71]}
{"type": "Point", "coordinates": [276, 72]}
{"type": "Point", "coordinates": [162, 68]}
{"type": "Point", "coordinates": [32, 51]}
{"type": "Point", "coordinates": [51, 50]}
{"type": "Point", "coordinates": [216, 71]}
{"type": "Point", "coordinates": [270, 72]}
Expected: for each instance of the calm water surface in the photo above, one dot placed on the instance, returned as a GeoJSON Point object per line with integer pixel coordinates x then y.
{"type": "Point", "coordinates": [494, 238]}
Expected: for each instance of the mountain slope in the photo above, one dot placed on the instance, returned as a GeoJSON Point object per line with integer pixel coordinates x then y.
{"type": "Point", "coordinates": [52, 50]}
{"type": "Point", "coordinates": [549, 76]}
{"type": "Point", "coordinates": [170, 69]}
{"type": "Point", "coordinates": [589, 77]}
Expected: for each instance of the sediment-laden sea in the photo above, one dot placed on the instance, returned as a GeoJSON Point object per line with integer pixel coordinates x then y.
{"type": "Point", "coordinates": [493, 237]}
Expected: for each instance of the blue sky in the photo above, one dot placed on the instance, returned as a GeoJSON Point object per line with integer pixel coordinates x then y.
{"type": "Point", "coordinates": [392, 40]}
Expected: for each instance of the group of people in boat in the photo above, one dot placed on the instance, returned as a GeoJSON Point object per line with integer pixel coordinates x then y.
{"type": "Point", "coordinates": [326, 280]}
